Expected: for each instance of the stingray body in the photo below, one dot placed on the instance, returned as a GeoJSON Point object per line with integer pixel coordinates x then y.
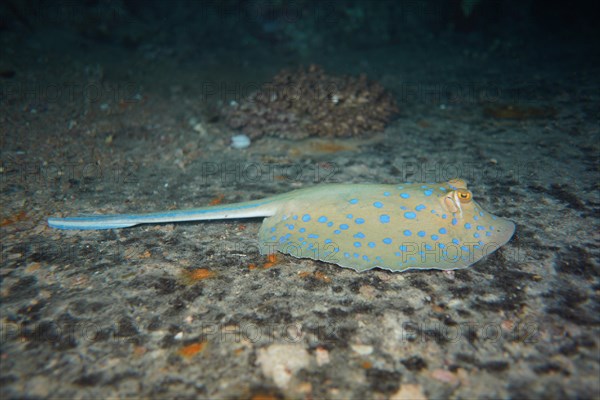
{"type": "Point", "coordinates": [358, 226]}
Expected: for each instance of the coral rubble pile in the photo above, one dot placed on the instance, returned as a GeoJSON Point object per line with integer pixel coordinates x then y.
{"type": "Point", "coordinates": [307, 102]}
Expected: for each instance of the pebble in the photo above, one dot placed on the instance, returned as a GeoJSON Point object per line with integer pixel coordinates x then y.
{"type": "Point", "coordinates": [281, 361]}
{"type": "Point", "coordinates": [322, 356]}
{"type": "Point", "coordinates": [362, 349]}
{"type": "Point", "coordinates": [240, 141]}
{"type": "Point", "coordinates": [409, 391]}
{"type": "Point", "coordinates": [445, 376]}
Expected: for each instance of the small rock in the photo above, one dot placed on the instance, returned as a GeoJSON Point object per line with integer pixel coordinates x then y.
{"type": "Point", "coordinates": [367, 291]}
{"type": "Point", "coordinates": [409, 392]}
{"type": "Point", "coordinates": [200, 128]}
{"type": "Point", "coordinates": [445, 376]}
{"type": "Point", "coordinates": [281, 361]}
{"type": "Point", "coordinates": [322, 356]}
{"type": "Point", "coordinates": [362, 349]}
{"type": "Point", "coordinates": [240, 141]}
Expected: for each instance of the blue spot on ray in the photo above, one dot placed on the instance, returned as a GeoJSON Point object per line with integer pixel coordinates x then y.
{"type": "Point", "coordinates": [384, 218]}
{"type": "Point", "coordinates": [410, 215]}
{"type": "Point", "coordinates": [306, 218]}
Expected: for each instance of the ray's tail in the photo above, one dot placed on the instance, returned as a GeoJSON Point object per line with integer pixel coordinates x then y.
{"type": "Point", "coordinates": [250, 209]}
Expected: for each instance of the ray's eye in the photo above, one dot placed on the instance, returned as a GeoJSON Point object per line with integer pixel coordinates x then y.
{"type": "Point", "coordinates": [464, 196]}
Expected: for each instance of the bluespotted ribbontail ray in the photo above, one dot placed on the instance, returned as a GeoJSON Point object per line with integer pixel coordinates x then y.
{"type": "Point", "coordinates": [358, 226]}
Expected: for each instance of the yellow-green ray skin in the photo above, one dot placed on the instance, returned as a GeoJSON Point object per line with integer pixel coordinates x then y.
{"type": "Point", "coordinates": [393, 227]}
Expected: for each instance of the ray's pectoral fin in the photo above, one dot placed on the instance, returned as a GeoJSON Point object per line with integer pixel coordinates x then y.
{"type": "Point", "coordinates": [302, 236]}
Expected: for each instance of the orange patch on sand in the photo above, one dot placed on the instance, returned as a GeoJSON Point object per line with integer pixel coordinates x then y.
{"type": "Point", "coordinates": [437, 308]}
{"type": "Point", "coordinates": [519, 112]}
{"type": "Point", "coordinates": [317, 274]}
{"type": "Point", "coordinates": [202, 273]}
{"type": "Point", "coordinates": [271, 260]}
{"type": "Point", "coordinates": [239, 351]}
{"type": "Point", "coordinates": [139, 351]}
{"type": "Point", "coordinates": [217, 200]}
{"type": "Point", "coordinates": [146, 254]}
{"type": "Point", "coordinates": [330, 147]}
{"type": "Point", "coordinates": [33, 267]}
{"type": "Point", "coordinates": [197, 275]}
{"type": "Point", "coordinates": [191, 349]}
{"type": "Point", "coordinates": [322, 277]}
{"type": "Point", "coordinates": [15, 218]}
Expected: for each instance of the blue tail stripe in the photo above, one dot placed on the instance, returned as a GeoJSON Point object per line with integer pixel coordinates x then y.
{"type": "Point", "coordinates": [114, 221]}
{"type": "Point", "coordinates": [83, 224]}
